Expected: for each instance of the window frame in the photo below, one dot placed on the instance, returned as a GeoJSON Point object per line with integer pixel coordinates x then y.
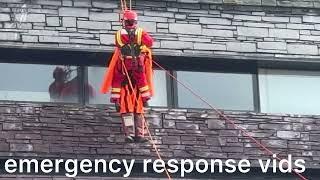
{"type": "Point", "coordinates": [83, 59]}
{"type": "Point", "coordinates": [255, 90]}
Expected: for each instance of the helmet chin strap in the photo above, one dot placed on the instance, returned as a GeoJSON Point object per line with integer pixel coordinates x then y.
{"type": "Point", "coordinates": [131, 33]}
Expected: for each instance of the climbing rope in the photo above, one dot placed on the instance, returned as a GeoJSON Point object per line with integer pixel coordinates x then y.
{"type": "Point", "coordinates": [145, 122]}
{"type": "Point", "coordinates": [226, 118]}
{"type": "Point", "coordinates": [124, 7]}
{"type": "Point", "coordinates": [130, 5]}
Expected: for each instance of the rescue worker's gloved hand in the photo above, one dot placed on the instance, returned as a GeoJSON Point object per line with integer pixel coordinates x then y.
{"type": "Point", "coordinates": [116, 102]}
{"type": "Point", "coordinates": [117, 105]}
{"type": "Point", "coordinates": [126, 50]}
{"type": "Point", "coordinates": [145, 104]}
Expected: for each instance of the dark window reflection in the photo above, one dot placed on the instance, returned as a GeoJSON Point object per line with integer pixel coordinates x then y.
{"type": "Point", "coordinates": [40, 83]}
{"type": "Point", "coordinates": [66, 86]}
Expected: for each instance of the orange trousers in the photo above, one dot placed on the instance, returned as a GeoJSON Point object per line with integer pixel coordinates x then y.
{"type": "Point", "coordinates": [131, 110]}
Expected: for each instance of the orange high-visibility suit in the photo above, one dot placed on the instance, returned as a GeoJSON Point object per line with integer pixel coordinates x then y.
{"type": "Point", "coordinates": [140, 74]}
{"type": "Point", "coordinates": [132, 59]}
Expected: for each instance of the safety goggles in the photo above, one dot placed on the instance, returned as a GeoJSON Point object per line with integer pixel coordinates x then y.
{"type": "Point", "coordinates": [130, 22]}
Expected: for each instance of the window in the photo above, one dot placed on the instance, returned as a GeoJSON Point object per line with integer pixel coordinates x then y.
{"type": "Point", "coordinates": [41, 83]}
{"type": "Point", "coordinates": [95, 78]}
{"type": "Point", "coordinates": [223, 90]}
{"type": "Point", "coordinates": [284, 91]}
{"type": "Point", "coordinates": [160, 97]}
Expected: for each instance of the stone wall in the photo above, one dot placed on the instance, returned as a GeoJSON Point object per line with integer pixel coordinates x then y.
{"type": "Point", "coordinates": [279, 3]}
{"type": "Point", "coordinates": [74, 131]}
{"type": "Point", "coordinates": [281, 29]}
{"type": "Point", "coordinates": [180, 27]}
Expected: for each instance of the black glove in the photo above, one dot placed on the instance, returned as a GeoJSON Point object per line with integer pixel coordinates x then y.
{"type": "Point", "coordinates": [117, 105]}
{"type": "Point", "coordinates": [145, 104]}
{"type": "Point", "coordinates": [126, 50]}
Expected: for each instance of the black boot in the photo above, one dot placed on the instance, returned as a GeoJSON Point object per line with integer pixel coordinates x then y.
{"type": "Point", "coordinates": [117, 105]}
{"type": "Point", "coordinates": [129, 139]}
{"type": "Point", "coordinates": [140, 139]}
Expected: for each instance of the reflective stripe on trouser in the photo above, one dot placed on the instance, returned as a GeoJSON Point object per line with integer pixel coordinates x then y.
{"type": "Point", "coordinates": [138, 76]}
{"type": "Point", "coordinates": [133, 124]}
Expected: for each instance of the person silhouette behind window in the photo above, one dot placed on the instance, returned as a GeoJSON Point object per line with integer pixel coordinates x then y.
{"type": "Point", "coordinates": [56, 87]}
{"type": "Point", "coordinates": [62, 90]}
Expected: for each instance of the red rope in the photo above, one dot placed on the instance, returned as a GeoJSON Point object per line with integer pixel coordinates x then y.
{"type": "Point", "coordinates": [124, 7]}
{"type": "Point", "coordinates": [227, 119]}
{"type": "Point", "coordinates": [150, 136]}
{"type": "Point", "coordinates": [130, 5]}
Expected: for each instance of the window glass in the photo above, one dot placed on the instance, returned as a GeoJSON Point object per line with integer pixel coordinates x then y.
{"type": "Point", "coordinates": [160, 97]}
{"type": "Point", "coordinates": [42, 83]}
{"type": "Point", "coordinates": [95, 78]}
{"type": "Point", "coordinates": [223, 90]}
{"type": "Point", "coordinates": [283, 91]}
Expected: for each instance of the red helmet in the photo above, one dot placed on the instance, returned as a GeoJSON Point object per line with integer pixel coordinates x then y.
{"type": "Point", "coordinates": [130, 19]}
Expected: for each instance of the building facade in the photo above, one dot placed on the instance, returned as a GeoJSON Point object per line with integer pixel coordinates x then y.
{"type": "Point", "coordinates": [256, 60]}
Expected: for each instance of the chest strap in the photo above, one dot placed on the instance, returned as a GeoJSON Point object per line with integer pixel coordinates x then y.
{"type": "Point", "coordinates": [138, 34]}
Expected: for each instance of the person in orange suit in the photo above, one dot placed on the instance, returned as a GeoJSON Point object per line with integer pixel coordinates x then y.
{"type": "Point", "coordinates": [64, 90]}
{"type": "Point", "coordinates": [129, 76]}
{"type": "Point", "coordinates": [57, 86]}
